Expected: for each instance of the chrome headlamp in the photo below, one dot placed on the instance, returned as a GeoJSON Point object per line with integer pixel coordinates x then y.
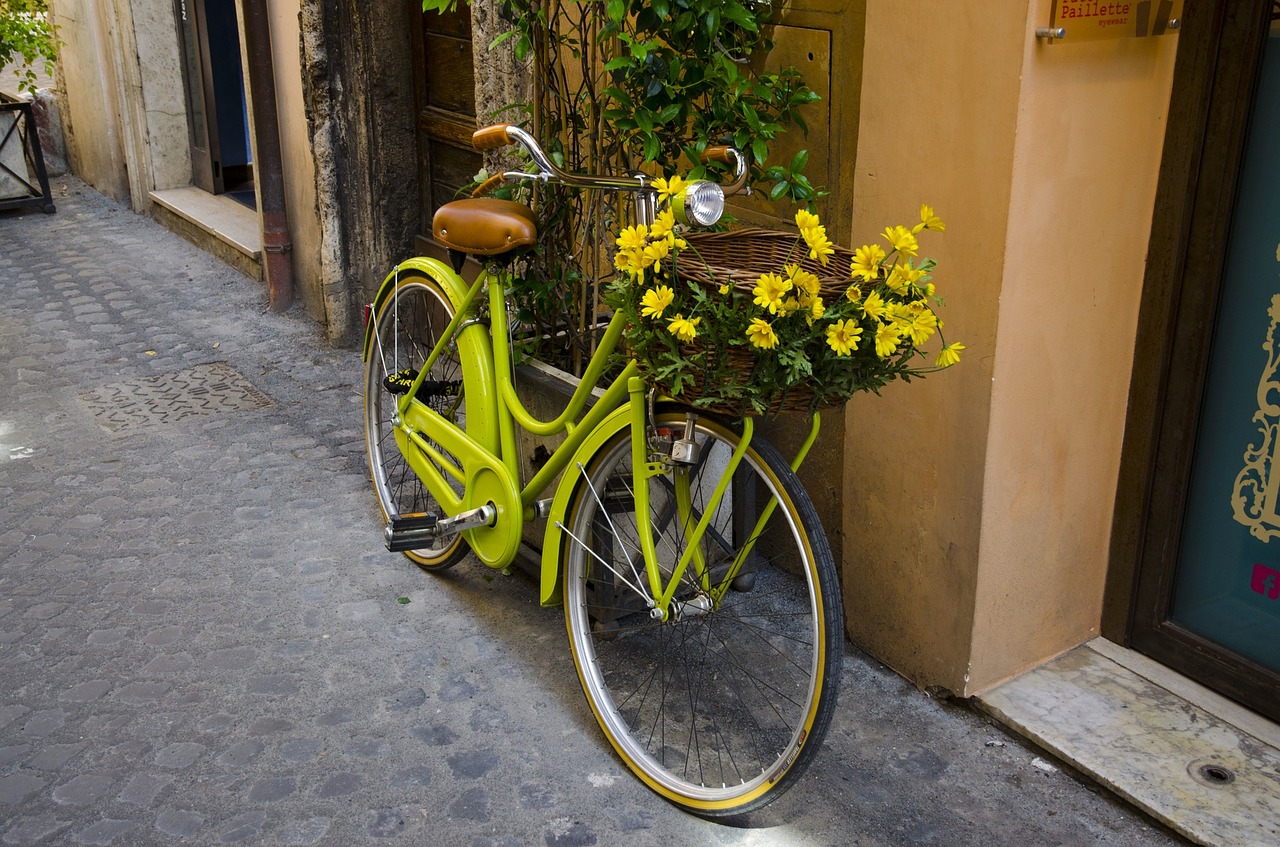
{"type": "Point", "coordinates": [701, 204]}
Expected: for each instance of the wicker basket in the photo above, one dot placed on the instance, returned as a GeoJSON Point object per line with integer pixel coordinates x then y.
{"type": "Point", "coordinates": [738, 258]}
{"type": "Point", "coordinates": [741, 256]}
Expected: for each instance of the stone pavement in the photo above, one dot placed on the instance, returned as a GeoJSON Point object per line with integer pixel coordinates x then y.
{"type": "Point", "coordinates": [203, 641]}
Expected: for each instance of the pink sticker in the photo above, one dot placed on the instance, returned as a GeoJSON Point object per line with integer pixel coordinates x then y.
{"type": "Point", "coordinates": [1266, 581]}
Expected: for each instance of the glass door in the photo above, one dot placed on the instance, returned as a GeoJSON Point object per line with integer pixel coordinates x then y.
{"type": "Point", "coordinates": [1208, 592]}
{"type": "Point", "coordinates": [1227, 586]}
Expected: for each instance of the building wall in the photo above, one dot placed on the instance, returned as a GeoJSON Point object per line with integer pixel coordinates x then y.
{"type": "Point", "coordinates": [162, 109]}
{"type": "Point", "coordinates": [296, 156]}
{"type": "Point", "coordinates": [89, 79]}
{"type": "Point", "coordinates": [1090, 135]}
{"type": "Point", "coordinates": [978, 503]}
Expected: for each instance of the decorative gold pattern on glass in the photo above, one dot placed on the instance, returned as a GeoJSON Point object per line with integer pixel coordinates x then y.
{"type": "Point", "coordinates": [1257, 485]}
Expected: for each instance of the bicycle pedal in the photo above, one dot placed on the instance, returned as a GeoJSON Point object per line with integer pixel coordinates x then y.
{"type": "Point", "coordinates": [401, 381]}
{"type": "Point", "coordinates": [411, 532]}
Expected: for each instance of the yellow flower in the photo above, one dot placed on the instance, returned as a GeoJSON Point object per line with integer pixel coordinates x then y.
{"type": "Point", "coordinates": [874, 306]}
{"type": "Point", "coordinates": [724, 289]}
{"type": "Point", "coordinates": [816, 310]}
{"type": "Point", "coordinates": [903, 277]}
{"type": "Point", "coordinates": [633, 237]}
{"type": "Point", "coordinates": [685, 329]}
{"type": "Point", "coordinates": [928, 220]}
{"type": "Point", "coordinates": [922, 326]}
{"type": "Point", "coordinates": [843, 336]}
{"type": "Point", "coordinates": [630, 262]}
{"type": "Point", "coordinates": [761, 335]}
{"type": "Point", "coordinates": [806, 219]}
{"type": "Point", "coordinates": [866, 262]}
{"type": "Point", "coordinates": [668, 188]}
{"type": "Point", "coordinates": [901, 239]}
{"type": "Point", "coordinates": [656, 252]}
{"type": "Point", "coordinates": [655, 300]}
{"type": "Point", "coordinates": [820, 247]}
{"type": "Point", "coordinates": [663, 228]}
{"type": "Point", "coordinates": [803, 280]}
{"type": "Point", "coordinates": [887, 338]}
{"type": "Point", "coordinates": [769, 290]}
{"type": "Point", "coordinates": [900, 315]}
{"type": "Point", "coordinates": [949, 355]}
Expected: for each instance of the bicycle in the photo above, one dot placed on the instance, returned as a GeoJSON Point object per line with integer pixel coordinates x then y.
{"type": "Point", "coordinates": [708, 643]}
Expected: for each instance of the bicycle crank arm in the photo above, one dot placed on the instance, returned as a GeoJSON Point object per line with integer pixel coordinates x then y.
{"type": "Point", "coordinates": [411, 532]}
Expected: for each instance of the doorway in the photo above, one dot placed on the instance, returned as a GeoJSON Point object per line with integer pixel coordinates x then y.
{"type": "Point", "coordinates": [217, 106]}
{"type": "Point", "coordinates": [1204, 422]}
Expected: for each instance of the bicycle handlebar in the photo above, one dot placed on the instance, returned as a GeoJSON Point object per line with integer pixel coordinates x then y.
{"type": "Point", "coordinates": [501, 135]}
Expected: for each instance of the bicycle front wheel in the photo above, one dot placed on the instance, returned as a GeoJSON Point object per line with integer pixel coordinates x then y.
{"type": "Point", "coordinates": [720, 707]}
{"type": "Point", "coordinates": [406, 329]}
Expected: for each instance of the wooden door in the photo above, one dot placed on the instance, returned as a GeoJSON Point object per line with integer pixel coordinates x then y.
{"type": "Point", "coordinates": [446, 103]}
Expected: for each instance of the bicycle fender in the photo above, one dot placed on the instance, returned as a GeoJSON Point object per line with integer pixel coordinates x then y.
{"type": "Point", "coordinates": [617, 420]}
{"type": "Point", "coordinates": [452, 284]}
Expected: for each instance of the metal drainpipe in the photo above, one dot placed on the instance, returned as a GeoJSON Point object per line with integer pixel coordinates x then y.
{"type": "Point", "coordinates": [276, 243]}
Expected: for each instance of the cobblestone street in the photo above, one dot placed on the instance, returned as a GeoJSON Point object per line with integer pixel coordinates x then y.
{"type": "Point", "coordinates": [203, 640]}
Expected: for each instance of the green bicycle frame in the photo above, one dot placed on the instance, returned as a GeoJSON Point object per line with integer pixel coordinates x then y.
{"type": "Point", "coordinates": [483, 459]}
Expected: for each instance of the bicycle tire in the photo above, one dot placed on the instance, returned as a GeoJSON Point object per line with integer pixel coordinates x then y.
{"type": "Point", "coordinates": [406, 331]}
{"type": "Point", "coordinates": [720, 710]}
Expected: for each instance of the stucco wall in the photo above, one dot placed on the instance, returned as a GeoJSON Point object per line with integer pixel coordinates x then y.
{"type": "Point", "coordinates": [978, 503]}
{"type": "Point", "coordinates": [937, 129]}
{"type": "Point", "coordinates": [166, 145]}
{"type": "Point", "coordinates": [295, 154]}
{"type": "Point", "coordinates": [1090, 134]}
{"type": "Point", "coordinates": [90, 96]}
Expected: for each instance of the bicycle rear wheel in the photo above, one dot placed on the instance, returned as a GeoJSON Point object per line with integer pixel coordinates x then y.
{"type": "Point", "coordinates": [407, 327]}
{"type": "Point", "coordinates": [721, 707]}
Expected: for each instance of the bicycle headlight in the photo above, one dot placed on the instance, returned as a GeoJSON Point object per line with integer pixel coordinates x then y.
{"type": "Point", "coordinates": [701, 204]}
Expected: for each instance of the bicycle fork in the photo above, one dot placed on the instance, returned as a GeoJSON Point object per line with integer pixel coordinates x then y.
{"type": "Point", "coordinates": [676, 459]}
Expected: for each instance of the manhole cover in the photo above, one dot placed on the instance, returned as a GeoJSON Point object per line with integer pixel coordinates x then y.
{"type": "Point", "coordinates": [168, 398]}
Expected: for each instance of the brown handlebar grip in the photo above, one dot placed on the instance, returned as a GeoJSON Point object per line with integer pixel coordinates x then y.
{"type": "Point", "coordinates": [490, 137]}
{"type": "Point", "coordinates": [722, 154]}
{"type": "Point", "coordinates": [487, 186]}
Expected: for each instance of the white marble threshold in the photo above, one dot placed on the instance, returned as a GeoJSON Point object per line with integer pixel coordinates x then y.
{"type": "Point", "coordinates": [1202, 765]}
{"type": "Point", "coordinates": [231, 222]}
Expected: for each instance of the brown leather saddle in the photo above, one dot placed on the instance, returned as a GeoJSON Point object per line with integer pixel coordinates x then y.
{"type": "Point", "coordinates": [483, 226]}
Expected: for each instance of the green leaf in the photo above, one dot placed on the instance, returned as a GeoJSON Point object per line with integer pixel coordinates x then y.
{"type": "Point", "coordinates": [741, 17]}
{"type": "Point", "coordinates": [616, 10]}
{"type": "Point", "coordinates": [759, 149]}
{"type": "Point", "coordinates": [669, 114]}
{"type": "Point", "coordinates": [402, 600]}
{"type": "Point", "coordinates": [799, 161]}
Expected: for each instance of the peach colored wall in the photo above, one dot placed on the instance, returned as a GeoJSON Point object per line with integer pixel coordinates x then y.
{"type": "Point", "coordinates": [1090, 133]}
{"type": "Point", "coordinates": [978, 502]}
